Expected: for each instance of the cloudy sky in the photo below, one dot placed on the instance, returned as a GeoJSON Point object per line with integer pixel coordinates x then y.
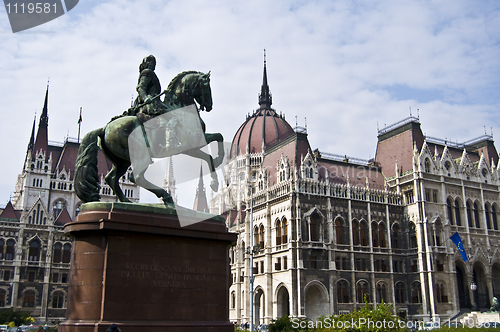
{"type": "Point", "coordinates": [343, 67]}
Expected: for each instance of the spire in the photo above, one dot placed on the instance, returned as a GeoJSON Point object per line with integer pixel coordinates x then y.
{"type": "Point", "coordinates": [200, 201]}
{"type": "Point", "coordinates": [169, 180]}
{"type": "Point", "coordinates": [41, 141]}
{"type": "Point", "coordinates": [265, 98]}
{"type": "Point", "coordinates": [31, 144]}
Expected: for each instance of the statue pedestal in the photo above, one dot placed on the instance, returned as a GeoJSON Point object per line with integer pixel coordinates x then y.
{"type": "Point", "coordinates": [134, 265]}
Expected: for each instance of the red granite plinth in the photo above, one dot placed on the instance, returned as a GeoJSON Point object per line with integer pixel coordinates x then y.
{"type": "Point", "coordinates": [134, 265]}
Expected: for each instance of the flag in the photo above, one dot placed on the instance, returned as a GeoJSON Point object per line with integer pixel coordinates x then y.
{"type": "Point", "coordinates": [458, 242]}
{"type": "Point", "coordinates": [80, 118]}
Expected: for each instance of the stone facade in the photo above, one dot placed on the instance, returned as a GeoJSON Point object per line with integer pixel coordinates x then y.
{"type": "Point", "coordinates": [318, 232]}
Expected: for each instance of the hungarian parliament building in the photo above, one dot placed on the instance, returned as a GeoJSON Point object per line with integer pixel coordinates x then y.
{"type": "Point", "coordinates": [318, 233]}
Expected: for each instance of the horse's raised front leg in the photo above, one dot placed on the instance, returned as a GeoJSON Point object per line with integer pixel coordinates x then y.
{"type": "Point", "coordinates": [197, 153]}
{"type": "Point", "coordinates": [113, 178]}
{"type": "Point", "coordinates": [216, 137]}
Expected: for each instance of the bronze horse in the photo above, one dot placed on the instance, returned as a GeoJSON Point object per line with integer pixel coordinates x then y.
{"type": "Point", "coordinates": [125, 132]}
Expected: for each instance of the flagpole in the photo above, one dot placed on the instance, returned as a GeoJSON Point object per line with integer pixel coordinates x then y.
{"type": "Point", "coordinates": [445, 241]}
{"type": "Point", "coordinates": [79, 124]}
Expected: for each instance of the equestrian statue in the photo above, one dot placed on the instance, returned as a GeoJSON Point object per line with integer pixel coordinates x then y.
{"type": "Point", "coordinates": [151, 128]}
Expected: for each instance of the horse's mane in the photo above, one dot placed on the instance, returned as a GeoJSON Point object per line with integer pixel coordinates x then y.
{"type": "Point", "coordinates": [177, 79]}
{"type": "Point", "coordinates": [172, 99]}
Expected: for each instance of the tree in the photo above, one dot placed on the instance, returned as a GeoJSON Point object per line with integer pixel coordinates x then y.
{"type": "Point", "coordinates": [19, 317]}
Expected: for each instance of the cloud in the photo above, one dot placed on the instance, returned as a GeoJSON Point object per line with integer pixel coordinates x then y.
{"type": "Point", "coordinates": [345, 65]}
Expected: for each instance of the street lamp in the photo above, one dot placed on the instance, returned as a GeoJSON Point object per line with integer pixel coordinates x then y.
{"type": "Point", "coordinates": [473, 288]}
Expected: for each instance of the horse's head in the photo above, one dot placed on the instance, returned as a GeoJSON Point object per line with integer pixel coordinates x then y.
{"type": "Point", "coordinates": [202, 92]}
{"type": "Point", "coordinates": [189, 87]}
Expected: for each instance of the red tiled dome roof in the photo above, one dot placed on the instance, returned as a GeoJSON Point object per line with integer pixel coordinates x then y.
{"type": "Point", "coordinates": [263, 127]}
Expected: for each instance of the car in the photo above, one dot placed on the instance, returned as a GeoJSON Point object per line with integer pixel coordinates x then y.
{"type": "Point", "coordinates": [14, 329]}
{"type": "Point", "coordinates": [263, 328]}
{"type": "Point", "coordinates": [427, 326]}
{"type": "Point", "coordinates": [3, 328]}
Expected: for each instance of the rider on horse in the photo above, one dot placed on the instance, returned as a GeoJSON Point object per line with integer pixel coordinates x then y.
{"type": "Point", "coordinates": [148, 87]}
{"type": "Point", "coordinates": [148, 105]}
{"type": "Point", "coordinates": [126, 140]}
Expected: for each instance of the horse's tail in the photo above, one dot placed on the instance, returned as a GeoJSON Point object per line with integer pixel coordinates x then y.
{"type": "Point", "coordinates": [86, 175]}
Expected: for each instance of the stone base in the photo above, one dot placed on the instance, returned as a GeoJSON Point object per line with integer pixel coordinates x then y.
{"type": "Point", "coordinates": [134, 265]}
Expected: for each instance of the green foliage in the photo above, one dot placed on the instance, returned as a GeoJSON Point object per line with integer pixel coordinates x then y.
{"type": "Point", "coordinates": [19, 317]}
{"type": "Point", "coordinates": [367, 319]}
{"type": "Point", "coordinates": [283, 324]}
{"type": "Point", "coordinates": [377, 319]}
{"type": "Point", "coordinates": [237, 329]}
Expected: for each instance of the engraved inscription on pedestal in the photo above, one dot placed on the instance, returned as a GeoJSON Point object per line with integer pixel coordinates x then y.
{"type": "Point", "coordinates": [168, 276]}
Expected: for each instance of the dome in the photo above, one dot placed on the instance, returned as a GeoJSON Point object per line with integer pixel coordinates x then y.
{"type": "Point", "coordinates": [262, 129]}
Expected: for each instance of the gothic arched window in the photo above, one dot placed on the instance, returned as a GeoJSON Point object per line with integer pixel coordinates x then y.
{"type": "Point", "coordinates": [381, 293]}
{"type": "Point", "coordinates": [57, 254]}
{"type": "Point", "coordinates": [494, 217]}
{"type": "Point", "coordinates": [342, 292]}
{"type": "Point", "coordinates": [314, 228]}
{"type": "Point", "coordinates": [29, 299]}
{"type": "Point", "coordinates": [416, 293]}
{"type": "Point", "coordinates": [338, 231]}
{"type": "Point", "coordinates": [374, 235]}
{"type": "Point", "coordinates": [362, 290]}
{"type": "Point", "coordinates": [395, 236]}
{"type": "Point", "coordinates": [278, 232]}
{"type": "Point", "coordinates": [449, 211]}
{"type": "Point", "coordinates": [441, 293]}
{"type": "Point", "coordinates": [427, 165]}
{"type": "Point", "coordinates": [363, 233]}
{"type": "Point", "coordinates": [381, 235]}
{"type": "Point", "coordinates": [458, 219]}
{"type": "Point", "coordinates": [469, 215]}
{"type": "Point", "coordinates": [34, 251]}
{"type": "Point", "coordinates": [9, 252]}
{"type": "Point", "coordinates": [284, 231]}
{"type": "Point", "coordinates": [476, 216]}
{"type": "Point", "coordinates": [355, 233]}
{"type": "Point", "coordinates": [261, 236]}
{"type": "Point", "coordinates": [58, 300]}
{"type": "Point", "coordinates": [487, 215]}
{"type": "Point", "coordinates": [400, 294]}
{"type": "Point", "coordinates": [66, 256]}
